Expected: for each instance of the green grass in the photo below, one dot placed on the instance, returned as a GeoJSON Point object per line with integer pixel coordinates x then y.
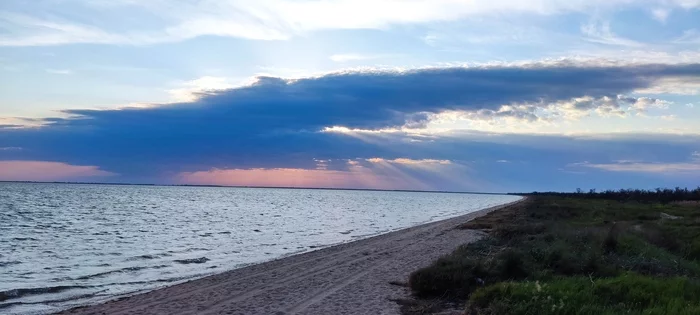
{"type": "Point", "coordinates": [564, 241]}
{"type": "Point", "coordinates": [625, 294]}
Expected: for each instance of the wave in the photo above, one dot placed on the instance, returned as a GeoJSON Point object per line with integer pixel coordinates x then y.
{"type": "Point", "coordinates": [199, 260]}
{"type": "Point", "coordinates": [72, 298]}
{"type": "Point", "coordinates": [128, 269]}
{"type": "Point", "coordinates": [194, 249]}
{"type": "Point", "coordinates": [20, 239]}
{"type": "Point", "coordinates": [22, 292]}
{"type": "Point", "coordinates": [149, 256]}
{"type": "Point", "coordinates": [9, 263]}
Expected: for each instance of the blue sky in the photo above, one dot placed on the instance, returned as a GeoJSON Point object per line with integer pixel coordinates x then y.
{"type": "Point", "coordinates": [496, 95]}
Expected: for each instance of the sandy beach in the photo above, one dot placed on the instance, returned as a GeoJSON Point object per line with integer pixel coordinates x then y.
{"type": "Point", "coordinates": [351, 278]}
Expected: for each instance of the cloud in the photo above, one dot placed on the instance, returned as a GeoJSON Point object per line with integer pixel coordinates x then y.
{"type": "Point", "coordinates": [640, 167]}
{"type": "Point", "coordinates": [192, 90]}
{"type": "Point", "coordinates": [375, 99]}
{"type": "Point", "coordinates": [600, 32]}
{"type": "Point", "coordinates": [288, 177]}
{"type": "Point", "coordinates": [660, 14]}
{"type": "Point", "coordinates": [48, 171]}
{"type": "Point", "coordinates": [59, 71]}
{"type": "Point", "coordinates": [691, 36]}
{"type": "Point", "coordinates": [673, 85]}
{"type": "Point", "coordinates": [619, 105]}
{"type": "Point", "coordinates": [277, 123]}
{"type": "Point", "coordinates": [26, 30]}
{"type": "Point", "coordinates": [90, 21]}
{"type": "Point", "coordinates": [406, 174]}
{"type": "Point", "coordinates": [668, 168]}
{"type": "Point", "coordinates": [358, 57]}
{"type": "Point", "coordinates": [411, 162]}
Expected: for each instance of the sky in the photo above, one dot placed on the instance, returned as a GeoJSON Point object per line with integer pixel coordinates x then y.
{"type": "Point", "coordinates": [458, 95]}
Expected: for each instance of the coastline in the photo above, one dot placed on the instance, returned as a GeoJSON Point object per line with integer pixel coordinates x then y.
{"type": "Point", "coordinates": [349, 278]}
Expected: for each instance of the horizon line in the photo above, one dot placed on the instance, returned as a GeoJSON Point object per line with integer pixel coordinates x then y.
{"type": "Point", "coordinates": [255, 187]}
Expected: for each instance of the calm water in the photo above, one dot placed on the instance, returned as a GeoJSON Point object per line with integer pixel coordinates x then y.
{"type": "Point", "coordinates": [67, 245]}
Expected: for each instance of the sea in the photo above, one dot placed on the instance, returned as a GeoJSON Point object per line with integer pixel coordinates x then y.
{"type": "Point", "coordinates": [67, 245]}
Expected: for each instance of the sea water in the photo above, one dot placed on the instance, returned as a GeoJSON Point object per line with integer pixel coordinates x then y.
{"type": "Point", "coordinates": [64, 245]}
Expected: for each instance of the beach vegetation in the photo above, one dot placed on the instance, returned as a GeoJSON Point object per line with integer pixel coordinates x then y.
{"type": "Point", "coordinates": [593, 248]}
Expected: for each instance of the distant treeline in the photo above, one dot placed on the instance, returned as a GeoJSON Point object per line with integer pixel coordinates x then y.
{"type": "Point", "coordinates": [662, 195]}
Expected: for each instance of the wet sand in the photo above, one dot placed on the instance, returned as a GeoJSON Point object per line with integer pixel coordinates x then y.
{"type": "Point", "coordinates": [351, 278]}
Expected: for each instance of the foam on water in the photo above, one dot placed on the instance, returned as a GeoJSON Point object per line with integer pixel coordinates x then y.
{"type": "Point", "coordinates": [67, 245]}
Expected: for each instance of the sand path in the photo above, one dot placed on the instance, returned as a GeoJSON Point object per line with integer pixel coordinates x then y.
{"type": "Point", "coordinates": [351, 278]}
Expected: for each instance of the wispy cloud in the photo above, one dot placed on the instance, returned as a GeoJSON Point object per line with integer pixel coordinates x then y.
{"type": "Point", "coordinates": [358, 57]}
{"type": "Point", "coordinates": [59, 71]}
{"type": "Point", "coordinates": [410, 162]}
{"type": "Point", "coordinates": [662, 168]}
{"type": "Point", "coordinates": [176, 20]}
{"type": "Point", "coordinates": [692, 166]}
{"type": "Point", "coordinates": [691, 36]}
{"type": "Point", "coordinates": [598, 31]}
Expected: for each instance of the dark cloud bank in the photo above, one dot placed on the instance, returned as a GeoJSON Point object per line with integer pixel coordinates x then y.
{"type": "Point", "coordinates": [276, 122]}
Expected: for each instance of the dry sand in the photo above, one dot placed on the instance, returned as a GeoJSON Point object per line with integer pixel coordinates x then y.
{"type": "Point", "coordinates": [351, 278]}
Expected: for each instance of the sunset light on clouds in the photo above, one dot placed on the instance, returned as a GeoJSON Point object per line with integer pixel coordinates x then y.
{"type": "Point", "coordinates": [49, 171]}
{"type": "Point", "coordinates": [373, 173]}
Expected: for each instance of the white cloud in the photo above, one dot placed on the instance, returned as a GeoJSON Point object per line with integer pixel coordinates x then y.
{"type": "Point", "coordinates": [410, 162]}
{"type": "Point", "coordinates": [59, 71]}
{"type": "Point", "coordinates": [353, 163]}
{"type": "Point", "coordinates": [691, 36]}
{"type": "Point", "coordinates": [647, 167]}
{"type": "Point", "coordinates": [599, 32]}
{"type": "Point", "coordinates": [192, 90]}
{"type": "Point", "coordinates": [671, 85]}
{"type": "Point", "coordinates": [613, 57]}
{"type": "Point", "coordinates": [640, 167]}
{"type": "Point", "coordinates": [176, 20]}
{"type": "Point", "coordinates": [357, 57]}
{"type": "Point", "coordinates": [660, 14]}
{"type": "Point", "coordinates": [620, 105]}
{"type": "Point", "coordinates": [24, 30]}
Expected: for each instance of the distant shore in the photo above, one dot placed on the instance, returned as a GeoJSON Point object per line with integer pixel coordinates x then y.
{"type": "Point", "coordinates": [361, 277]}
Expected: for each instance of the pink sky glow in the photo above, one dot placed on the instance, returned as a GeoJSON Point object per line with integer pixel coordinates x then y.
{"type": "Point", "coordinates": [47, 171]}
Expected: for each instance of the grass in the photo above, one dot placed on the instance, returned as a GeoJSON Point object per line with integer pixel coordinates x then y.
{"type": "Point", "coordinates": [573, 245]}
{"type": "Point", "coordinates": [624, 294]}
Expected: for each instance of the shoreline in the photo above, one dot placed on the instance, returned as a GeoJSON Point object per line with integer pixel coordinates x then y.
{"type": "Point", "coordinates": [349, 278]}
